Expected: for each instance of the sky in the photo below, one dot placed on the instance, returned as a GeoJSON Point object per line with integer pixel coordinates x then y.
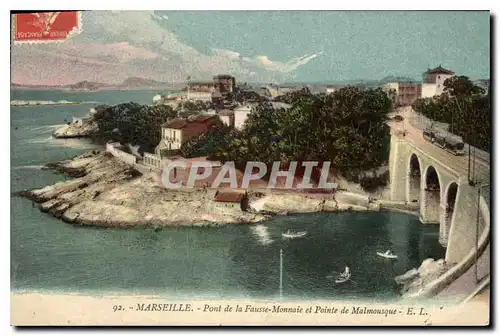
{"type": "Point", "coordinates": [259, 46]}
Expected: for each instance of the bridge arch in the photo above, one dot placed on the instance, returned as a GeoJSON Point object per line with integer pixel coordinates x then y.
{"type": "Point", "coordinates": [413, 182]}
{"type": "Point", "coordinates": [431, 196]}
{"type": "Point", "coordinates": [449, 204]}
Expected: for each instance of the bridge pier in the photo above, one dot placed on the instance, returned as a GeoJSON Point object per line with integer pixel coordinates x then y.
{"type": "Point", "coordinates": [444, 225]}
{"type": "Point", "coordinates": [398, 176]}
{"type": "Point", "coordinates": [429, 210]}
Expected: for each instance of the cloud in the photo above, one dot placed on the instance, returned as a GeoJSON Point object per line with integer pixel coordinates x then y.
{"type": "Point", "coordinates": [290, 66]}
{"type": "Point", "coordinates": [139, 43]}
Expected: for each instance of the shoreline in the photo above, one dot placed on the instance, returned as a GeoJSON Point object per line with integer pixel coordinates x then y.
{"type": "Point", "coordinates": [106, 192]}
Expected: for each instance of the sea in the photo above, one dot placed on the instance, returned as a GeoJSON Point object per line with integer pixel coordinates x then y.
{"type": "Point", "coordinates": [229, 262]}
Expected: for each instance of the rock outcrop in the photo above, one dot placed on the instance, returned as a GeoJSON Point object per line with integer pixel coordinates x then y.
{"type": "Point", "coordinates": [415, 280]}
{"type": "Point", "coordinates": [108, 192]}
{"type": "Point", "coordinates": [75, 130]}
{"type": "Point", "coordinates": [105, 191]}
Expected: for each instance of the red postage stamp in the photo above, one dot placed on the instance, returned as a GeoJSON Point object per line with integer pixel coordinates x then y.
{"type": "Point", "coordinates": [45, 27]}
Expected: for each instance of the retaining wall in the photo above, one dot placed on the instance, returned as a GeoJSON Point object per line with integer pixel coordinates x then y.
{"type": "Point", "coordinates": [121, 155]}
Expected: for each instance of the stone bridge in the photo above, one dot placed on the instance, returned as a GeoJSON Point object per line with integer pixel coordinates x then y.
{"type": "Point", "coordinates": [424, 173]}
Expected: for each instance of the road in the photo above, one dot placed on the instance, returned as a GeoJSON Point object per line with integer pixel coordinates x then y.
{"type": "Point", "coordinates": [419, 121]}
{"type": "Point", "coordinates": [467, 282]}
{"type": "Point", "coordinates": [459, 164]}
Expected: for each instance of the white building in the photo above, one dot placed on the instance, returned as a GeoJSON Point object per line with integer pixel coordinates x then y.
{"type": "Point", "coordinates": [437, 77]}
{"type": "Point", "coordinates": [180, 130]}
{"type": "Point", "coordinates": [199, 95]}
{"type": "Point", "coordinates": [240, 115]}
{"type": "Point", "coordinates": [429, 90]}
{"type": "Point", "coordinates": [227, 117]}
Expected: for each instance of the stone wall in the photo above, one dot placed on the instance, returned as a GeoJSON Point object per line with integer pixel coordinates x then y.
{"type": "Point", "coordinates": [121, 155]}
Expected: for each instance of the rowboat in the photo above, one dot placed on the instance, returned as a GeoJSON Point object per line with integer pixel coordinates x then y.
{"type": "Point", "coordinates": [387, 254]}
{"type": "Point", "coordinates": [294, 234]}
{"type": "Point", "coordinates": [344, 277]}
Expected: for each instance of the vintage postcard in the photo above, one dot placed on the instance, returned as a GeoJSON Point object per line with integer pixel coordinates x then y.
{"type": "Point", "coordinates": [258, 168]}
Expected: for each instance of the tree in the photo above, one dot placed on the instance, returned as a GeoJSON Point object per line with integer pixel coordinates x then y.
{"type": "Point", "coordinates": [464, 106]}
{"type": "Point", "coordinates": [133, 123]}
{"type": "Point", "coordinates": [346, 128]}
{"type": "Point", "coordinates": [461, 86]}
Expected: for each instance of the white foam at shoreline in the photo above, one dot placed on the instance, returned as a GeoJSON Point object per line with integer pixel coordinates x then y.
{"type": "Point", "coordinates": [29, 167]}
{"type": "Point", "coordinates": [46, 127]}
{"type": "Point", "coordinates": [62, 143]}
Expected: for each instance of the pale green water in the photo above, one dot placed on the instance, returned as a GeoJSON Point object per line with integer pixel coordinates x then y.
{"type": "Point", "coordinates": [228, 262]}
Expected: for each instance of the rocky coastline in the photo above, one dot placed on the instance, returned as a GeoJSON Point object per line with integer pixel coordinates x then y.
{"type": "Point", "coordinates": [415, 280]}
{"type": "Point", "coordinates": [106, 192]}
{"type": "Point", "coordinates": [75, 130]}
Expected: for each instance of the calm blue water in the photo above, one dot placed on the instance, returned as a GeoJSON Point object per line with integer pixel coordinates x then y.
{"type": "Point", "coordinates": [228, 262]}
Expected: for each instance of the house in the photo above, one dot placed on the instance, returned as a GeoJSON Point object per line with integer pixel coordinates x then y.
{"type": "Point", "coordinates": [434, 81]}
{"type": "Point", "coordinates": [224, 84]}
{"type": "Point", "coordinates": [241, 114]}
{"type": "Point", "coordinates": [403, 93]}
{"type": "Point", "coordinates": [180, 130]}
{"type": "Point", "coordinates": [173, 99]}
{"type": "Point", "coordinates": [200, 91]}
{"type": "Point", "coordinates": [408, 93]}
{"type": "Point", "coordinates": [227, 117]}
{"type": "Point", "coordinates": [330, 89]}
{"type": "Point", "coordinates": [231, 199]}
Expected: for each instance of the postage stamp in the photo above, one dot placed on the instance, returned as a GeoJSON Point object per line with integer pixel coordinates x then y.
{"type": "Point", "coordinates": [45, 27]}
{"type": "Point", "coordinates": [301, 170]}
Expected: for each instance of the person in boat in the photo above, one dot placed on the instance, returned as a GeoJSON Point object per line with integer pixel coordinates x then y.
{"type": "Point", "coordinates": [346, 273]}
{"type": "Point", "coordinates": [389, 253]}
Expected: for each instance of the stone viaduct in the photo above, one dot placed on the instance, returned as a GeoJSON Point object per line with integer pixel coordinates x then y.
{"type": "Point", "coordinates": [444, 196]}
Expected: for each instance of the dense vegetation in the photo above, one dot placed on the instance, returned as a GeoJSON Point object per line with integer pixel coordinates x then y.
{"type": "Point", "coordinates": [189, 108]}
{"type": "Point", "coordinates": [346, 128]}
{"type": "Point", "coordinates": [133, 123]}
{"type": "Point", "coordinates": [465, 107]}
{"type": "Point", "coordinates": [206, 143]}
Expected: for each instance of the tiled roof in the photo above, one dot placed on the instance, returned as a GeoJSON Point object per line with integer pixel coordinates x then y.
{"type": "Point", "coordinates": [229, 197]}
{"type": "Point", "coordinates": [440, 70]}
{"type": "Point", "coordinates": [176, 123]}
{"type": "Point", "coordinates": [223, 76]}
{"type": "Point", "coordinates": [201, 83]}
{"type": "Point", "coordinates": [181, 123]}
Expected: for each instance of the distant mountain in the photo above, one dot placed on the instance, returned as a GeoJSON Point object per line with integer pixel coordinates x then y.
{"type": "Point", "coordinates": [139, 82]}
{"type": "Point", "coordinates": [87, 86]}
{"type": "Point", "coordinates": [129, 83]}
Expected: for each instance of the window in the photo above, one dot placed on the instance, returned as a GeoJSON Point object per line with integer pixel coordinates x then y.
{"type": "Point", "coordinates": [439, 77]}
{"type": "Point", "coordinates": [439, 85]}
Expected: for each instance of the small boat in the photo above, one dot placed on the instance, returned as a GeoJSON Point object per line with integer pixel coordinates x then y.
{"type": "Point", "coordinates": [387, 254]}
{"type": "Point", "coordinates": [344, 277]}
{"type": "Point", "coordinates": [294, 234]}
